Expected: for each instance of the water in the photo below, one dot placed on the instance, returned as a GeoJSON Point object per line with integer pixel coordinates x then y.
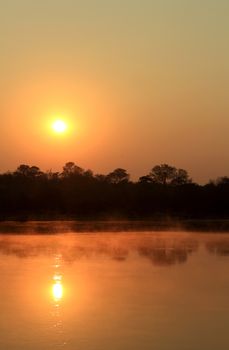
{"type": "Point", "coordinates": [116, 291]}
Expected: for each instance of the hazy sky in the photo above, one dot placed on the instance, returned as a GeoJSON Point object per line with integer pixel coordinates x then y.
{"type": "Point", "coordinates": [141, 82]}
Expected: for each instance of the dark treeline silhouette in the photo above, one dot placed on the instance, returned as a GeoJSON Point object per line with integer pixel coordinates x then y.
{"type": "Point", "coordinates": [77, 193]}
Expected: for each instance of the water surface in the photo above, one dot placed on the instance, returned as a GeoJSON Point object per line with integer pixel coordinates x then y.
{"type": "Point", "coordinates": [116, 291]}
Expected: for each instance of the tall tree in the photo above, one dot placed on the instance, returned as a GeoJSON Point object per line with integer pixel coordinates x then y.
{"type": "Point", "coordinates": [119, 175]}
{"type": "Point", "coordinates": [181, 178]}
{"type": "Point", "coordinates": [163, 174]}
{"type": "Point", "coordinates": [70, 168]}
{"type": "Point", "coordinates": [28, 171]}
{"type": "Point", "coordinates": [169, 175]}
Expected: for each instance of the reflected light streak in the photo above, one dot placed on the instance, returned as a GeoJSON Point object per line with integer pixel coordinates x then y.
{"type": "Point", "coordinates": [57, 285]}
{"type": "Point", "coordinates": [57, 290]}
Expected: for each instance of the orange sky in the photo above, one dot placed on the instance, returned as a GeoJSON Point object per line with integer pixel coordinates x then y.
{"type": "Point", "coordinates": [140, 83]}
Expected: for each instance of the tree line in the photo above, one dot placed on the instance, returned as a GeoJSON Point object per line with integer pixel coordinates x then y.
{"type": "Point", "coordinates": [76, 193]}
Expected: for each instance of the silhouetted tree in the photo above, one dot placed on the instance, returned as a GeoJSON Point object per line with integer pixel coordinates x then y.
{"type": "Point", "coordinates": [23, 170]}
{"type": "Point", "coordinates": [163, 174]}
{"type": "Point", "coordinates": [101, 177]}
{"type": "Point", "coordinates": [70, 169]}
{"type": "Point", "coordinates": [88, 174]}
{"type": "Point", "coordinates": [221, 181]}
{"type": "Point", "coordinates": [166, 191]}
{"type": "Point", "coordinates": [28, 171]}
{"type": "Point", "coordinates": [169, 175]}
{"type": "Point", "coordinates": [119, 175]}
{"type": "Point", "coordinates": [181, 178]}
{"type": "Point", "coordinates": [145, 179]}
{"type": "Point", "coordinates": [52, 175]}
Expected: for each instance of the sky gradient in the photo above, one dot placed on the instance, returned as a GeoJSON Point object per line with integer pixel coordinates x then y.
{"type": "Point", "coordinates": [140, 83]}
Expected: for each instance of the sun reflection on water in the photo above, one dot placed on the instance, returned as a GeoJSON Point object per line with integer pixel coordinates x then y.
{"type": "Point", "coordinates": [57, 292]}
{"type": "Point", "coordinates": [57, 288]}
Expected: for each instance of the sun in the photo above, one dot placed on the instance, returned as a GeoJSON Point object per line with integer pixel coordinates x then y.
{"type": "Point", "coordinates": [59, 126]}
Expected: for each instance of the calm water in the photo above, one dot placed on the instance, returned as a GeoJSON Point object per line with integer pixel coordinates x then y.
{"type": "Point", "coordinates": [114, 291]}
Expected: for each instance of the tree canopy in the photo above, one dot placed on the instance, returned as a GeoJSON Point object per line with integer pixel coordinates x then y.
{"type": "Point", "coordinates": [75, 192]}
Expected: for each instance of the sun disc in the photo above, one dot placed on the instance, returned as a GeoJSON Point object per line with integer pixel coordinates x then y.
{"type": "Point", "coordinates": [59, 126]}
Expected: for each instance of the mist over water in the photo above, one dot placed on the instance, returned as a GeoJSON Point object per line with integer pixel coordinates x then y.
{"type": "Point", "coordinates": [113, 290]}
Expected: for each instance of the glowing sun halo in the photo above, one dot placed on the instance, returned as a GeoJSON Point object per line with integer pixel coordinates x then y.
{"type": "Point", "coordinates": [59, 126]}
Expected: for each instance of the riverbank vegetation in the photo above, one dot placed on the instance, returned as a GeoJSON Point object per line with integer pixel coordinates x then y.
{"type": "Point", "coordinates": [165, 191]}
